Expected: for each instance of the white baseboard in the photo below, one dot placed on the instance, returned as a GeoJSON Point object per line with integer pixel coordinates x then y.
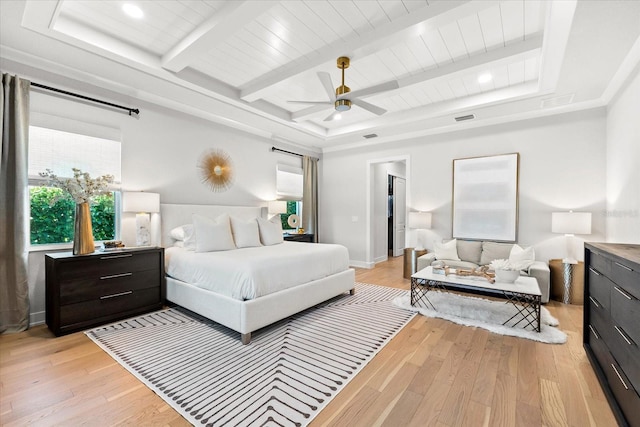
{"type": "Point", "coordinates": [382, 258]}
{"type": "Point", "coordinates": [37, 318]}
{"type": "Point", "coordinates": [361, 264]}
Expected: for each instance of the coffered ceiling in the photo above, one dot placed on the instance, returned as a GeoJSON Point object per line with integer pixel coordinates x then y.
{"type": "Point", "coordinates": [415, 65]}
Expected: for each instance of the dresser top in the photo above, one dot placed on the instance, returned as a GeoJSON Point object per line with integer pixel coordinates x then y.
{"type": "Point", "coordinates": [623, 251]}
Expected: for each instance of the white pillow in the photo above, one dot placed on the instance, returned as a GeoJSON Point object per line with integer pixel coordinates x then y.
{"type": "Point", "coordinates": [448, 250]}
{"type": "Point", "coordinates": [245, 233]}
{"type": "Point", "coordinates": [521, 258]}
{"type": "Point", "coordinates": [213, 234]}
{"type": "Point", "coordinates": [180, 233]}
{"type": "Point", "coordinates": [270, 231]}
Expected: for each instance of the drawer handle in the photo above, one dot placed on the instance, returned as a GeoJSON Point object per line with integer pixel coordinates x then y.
{"type": "Point", "coordinates": [623, 335]}
{"type": "Point", "coordinates": [593, 331]}
{"type": "Point", "coordinates": [593, 300]}
{"type": "Point", "coordinates": [623, 266]}
{"type": "Point", "coordinates": [594, 271]}
{"type": "Point", "coordinates": [626, 295]}
{"type": "Point", "coordinates": [113, 276]}
{"type": "Point", "coordinates": [116, 295]}
{"type": "Point", "coordinates": [116, 256]}
{"type": "Point", "coordinates": [619, 377]}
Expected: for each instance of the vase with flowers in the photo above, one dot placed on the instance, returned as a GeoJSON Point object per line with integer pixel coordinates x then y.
{"type": "Point", "coordinates": [82, 189]}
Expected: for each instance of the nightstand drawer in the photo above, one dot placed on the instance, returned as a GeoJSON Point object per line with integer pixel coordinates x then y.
{"type": "Point", "coordinates": [626, 277]}
{"type": "Point", "coordinates": [108, 264]}
{"type": "Point", "coordinates": [600, 263]}
{"type": "Point", "coordinates": [599, 288]}
{"type": "Point", "coordinates": [107, 305]}
{"type": "Point", "coordinates": [71, 293]}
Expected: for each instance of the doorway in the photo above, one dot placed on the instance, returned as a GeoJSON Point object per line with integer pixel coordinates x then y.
{"type": "Point", "coordinates": [379, 208]}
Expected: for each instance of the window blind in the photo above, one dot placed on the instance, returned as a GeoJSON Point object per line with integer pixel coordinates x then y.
{"type": "Point", "coordinates": [289, 182]}
{"type": "Point", "coordinates": [61, 151]}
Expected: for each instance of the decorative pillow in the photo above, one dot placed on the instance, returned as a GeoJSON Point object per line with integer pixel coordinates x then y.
{"type": "Point", "coordinates": [270, 231]}
{"type": "Point", "coordinates": [180, 233]}
{"type": "Point", "coordinates": [213, 234]}
{"type": "Point", "coordinates": [178, 244]}
{"type": "Point", "coordinates": [245, 233]}
{"type": "Point", "coordinates": [469, 250]}
{"type": "Point", "coordinates": [494, 250]}
{"type": "Point", "coordinates": [446, 250]}
{"type": "Point", "coordinates": [521, 258]}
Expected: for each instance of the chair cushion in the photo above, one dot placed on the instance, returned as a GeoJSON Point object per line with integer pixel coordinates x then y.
{"type": "Point", "coordinates": [494, 250]}
{"type": "Point", "coordinates": [469, 250]}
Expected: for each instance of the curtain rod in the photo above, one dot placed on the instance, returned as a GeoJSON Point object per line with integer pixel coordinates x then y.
{"type": "Point", "coordinates": [77, 95]}
{"type": "Point", "coordinates": [290, 152]}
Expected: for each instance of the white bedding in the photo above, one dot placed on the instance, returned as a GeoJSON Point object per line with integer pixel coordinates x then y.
{"type": "Point", "coordinates": [249, 273]}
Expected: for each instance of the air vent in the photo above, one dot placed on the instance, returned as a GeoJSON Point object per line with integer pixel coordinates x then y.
{"type": "Point", "coordinates": [557, 101]}
{"type": "Point", "coordinates": [371, 135]}
{"type": "Point", "coordinates": [467, 117]}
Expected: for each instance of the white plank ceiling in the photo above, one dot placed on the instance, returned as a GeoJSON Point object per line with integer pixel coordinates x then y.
{"type": "Point", "coordinates": [260, 55]}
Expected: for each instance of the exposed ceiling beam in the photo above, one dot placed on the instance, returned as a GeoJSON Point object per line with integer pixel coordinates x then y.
{"type": "Point", "coordinates": [412, 25]}
{"type": "Point", "coordinates": [222, 25]}
{"type": "Point", "coordinates": [558, 27]}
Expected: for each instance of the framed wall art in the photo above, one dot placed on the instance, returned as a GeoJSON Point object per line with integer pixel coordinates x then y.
{"type": "Point", "coordinates": [485, 198]}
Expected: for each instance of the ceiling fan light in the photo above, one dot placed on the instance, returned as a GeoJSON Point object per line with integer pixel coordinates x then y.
{"type": "Point", "coordinates": [343, 105]}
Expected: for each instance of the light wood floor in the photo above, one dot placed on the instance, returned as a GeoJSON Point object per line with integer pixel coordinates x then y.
{"type": "Point", "coordinates": [433, 373]}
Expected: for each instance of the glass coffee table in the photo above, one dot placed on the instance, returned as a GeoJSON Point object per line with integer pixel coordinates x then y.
{"type": "Point", "coordinates": [524, 294]}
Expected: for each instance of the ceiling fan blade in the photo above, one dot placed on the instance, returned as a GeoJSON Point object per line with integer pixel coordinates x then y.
{"type": "Point", "coordinates": [312, 102]}
{"type": "Point", "coordinates": [369, 107]}
{"type": "Point", "coordinates": [331, 116]}
{"type": "Point", "coordinates": [382, 87]}
{"type": "Point", "coordinates": [325, 79]}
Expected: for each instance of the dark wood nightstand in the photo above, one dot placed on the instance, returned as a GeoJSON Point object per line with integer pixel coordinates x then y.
{"type": "Point", "coordinates": [307, 238]}
{"type": "Point", "coordinates": [83, 291]}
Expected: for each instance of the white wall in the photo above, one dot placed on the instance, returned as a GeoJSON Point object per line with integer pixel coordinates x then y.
{"type": "Point", "coordinates": [623, 164]}
{"type": "Point", "coordinates": [562, 167]}
{"type": "Point", "coordinates": [160, 151]}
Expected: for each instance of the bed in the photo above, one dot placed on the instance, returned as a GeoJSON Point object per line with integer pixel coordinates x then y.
{"type": "Point", "coordinates": [295, 283]}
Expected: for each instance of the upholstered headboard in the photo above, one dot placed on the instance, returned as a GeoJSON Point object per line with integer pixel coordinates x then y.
{"type": "Point", "coordinates": [174, 215]}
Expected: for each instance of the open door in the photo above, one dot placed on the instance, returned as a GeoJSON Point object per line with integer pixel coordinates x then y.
{"type": "Point", "coordinates": [399, 215]}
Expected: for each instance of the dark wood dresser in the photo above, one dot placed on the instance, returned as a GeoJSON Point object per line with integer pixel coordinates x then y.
{"type": "Point", "coordinates": [83, 291]}
{"type": "Point", "coordinates": [611, 332]}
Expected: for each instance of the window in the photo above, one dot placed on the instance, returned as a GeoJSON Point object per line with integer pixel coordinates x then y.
{"type": "Point", "coordinates": [52, 209]}
{"type": "Point", "coordinates": [289, 187]}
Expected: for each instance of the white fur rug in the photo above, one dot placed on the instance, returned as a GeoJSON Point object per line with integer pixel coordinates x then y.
{"type": "Point", "coordinates": [484, 313]}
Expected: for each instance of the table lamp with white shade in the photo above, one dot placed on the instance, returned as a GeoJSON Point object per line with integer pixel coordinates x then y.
{"type": "Point", "coordinates": [419, 221]}
{"type": "Point", "coordinates": [277, 207]}
{"type": "Point", "coordinates": [569, 224]}
{"type": "Point", "coordinates": [142, 204]}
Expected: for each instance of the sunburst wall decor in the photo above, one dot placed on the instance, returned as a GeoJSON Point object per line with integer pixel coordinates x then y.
{"type": "Point", "coordinates": [216, 170]}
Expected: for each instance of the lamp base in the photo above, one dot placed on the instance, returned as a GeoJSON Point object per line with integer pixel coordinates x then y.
{"type": "Point", "coordinates": [143, 230]}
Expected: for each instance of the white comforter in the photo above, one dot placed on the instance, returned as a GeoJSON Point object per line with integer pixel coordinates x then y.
{"type": "Point", "coordinates": [249, 273]}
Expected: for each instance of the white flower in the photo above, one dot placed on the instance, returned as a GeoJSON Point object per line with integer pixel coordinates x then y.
{"type": "Point", "coordinates": [81, 187]}
{"type": "Point", "coordinates": [505, 264]}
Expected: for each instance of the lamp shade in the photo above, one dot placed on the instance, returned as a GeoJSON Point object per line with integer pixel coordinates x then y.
{"type": "Point", "coordinates": [420, 220]}
{"type": "Point", "coordinates": [277, 207]}
{"type": "Point", "coordinates": [571, 222]}
{"type": "Point", "coordinates": [140, 202]}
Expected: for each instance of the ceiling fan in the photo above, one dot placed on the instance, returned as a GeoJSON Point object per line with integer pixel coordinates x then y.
{"type": "Point", "coordinates": [344, 98]}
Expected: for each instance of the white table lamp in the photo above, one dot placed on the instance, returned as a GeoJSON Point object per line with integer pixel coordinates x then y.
{"type": "Point", "coordinates": [420, 221]}
{"type": "Point", "coordinates": [569, 224]}
{"type": "Point", "coordinates": [277, 207]}
{"type": "Point", "coordinates": [142, 204]}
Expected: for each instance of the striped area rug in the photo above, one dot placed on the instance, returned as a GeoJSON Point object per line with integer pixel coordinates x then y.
{"type": "Point", "coordinates": [285, 376]}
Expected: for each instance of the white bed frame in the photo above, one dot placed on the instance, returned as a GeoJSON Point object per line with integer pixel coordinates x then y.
{"type": "Point", "coordinates": [251, 315]}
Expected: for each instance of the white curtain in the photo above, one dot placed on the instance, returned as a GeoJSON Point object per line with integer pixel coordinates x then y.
{"type": "Point", "coordinates": [14, 204]}
{"type": "Point", "coordinates": [310, 196]}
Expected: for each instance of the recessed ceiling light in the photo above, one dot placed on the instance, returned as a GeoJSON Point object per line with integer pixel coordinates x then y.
{"type": "Point", "coordinates": [133, 11]}
{"type": "Point", "coordinates": [484, 78]}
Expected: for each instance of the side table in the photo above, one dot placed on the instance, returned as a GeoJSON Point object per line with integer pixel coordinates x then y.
{"type": "Point", "coordinates": [567, 281]}
{"type": "Point", "coordinates": [411, 256]}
